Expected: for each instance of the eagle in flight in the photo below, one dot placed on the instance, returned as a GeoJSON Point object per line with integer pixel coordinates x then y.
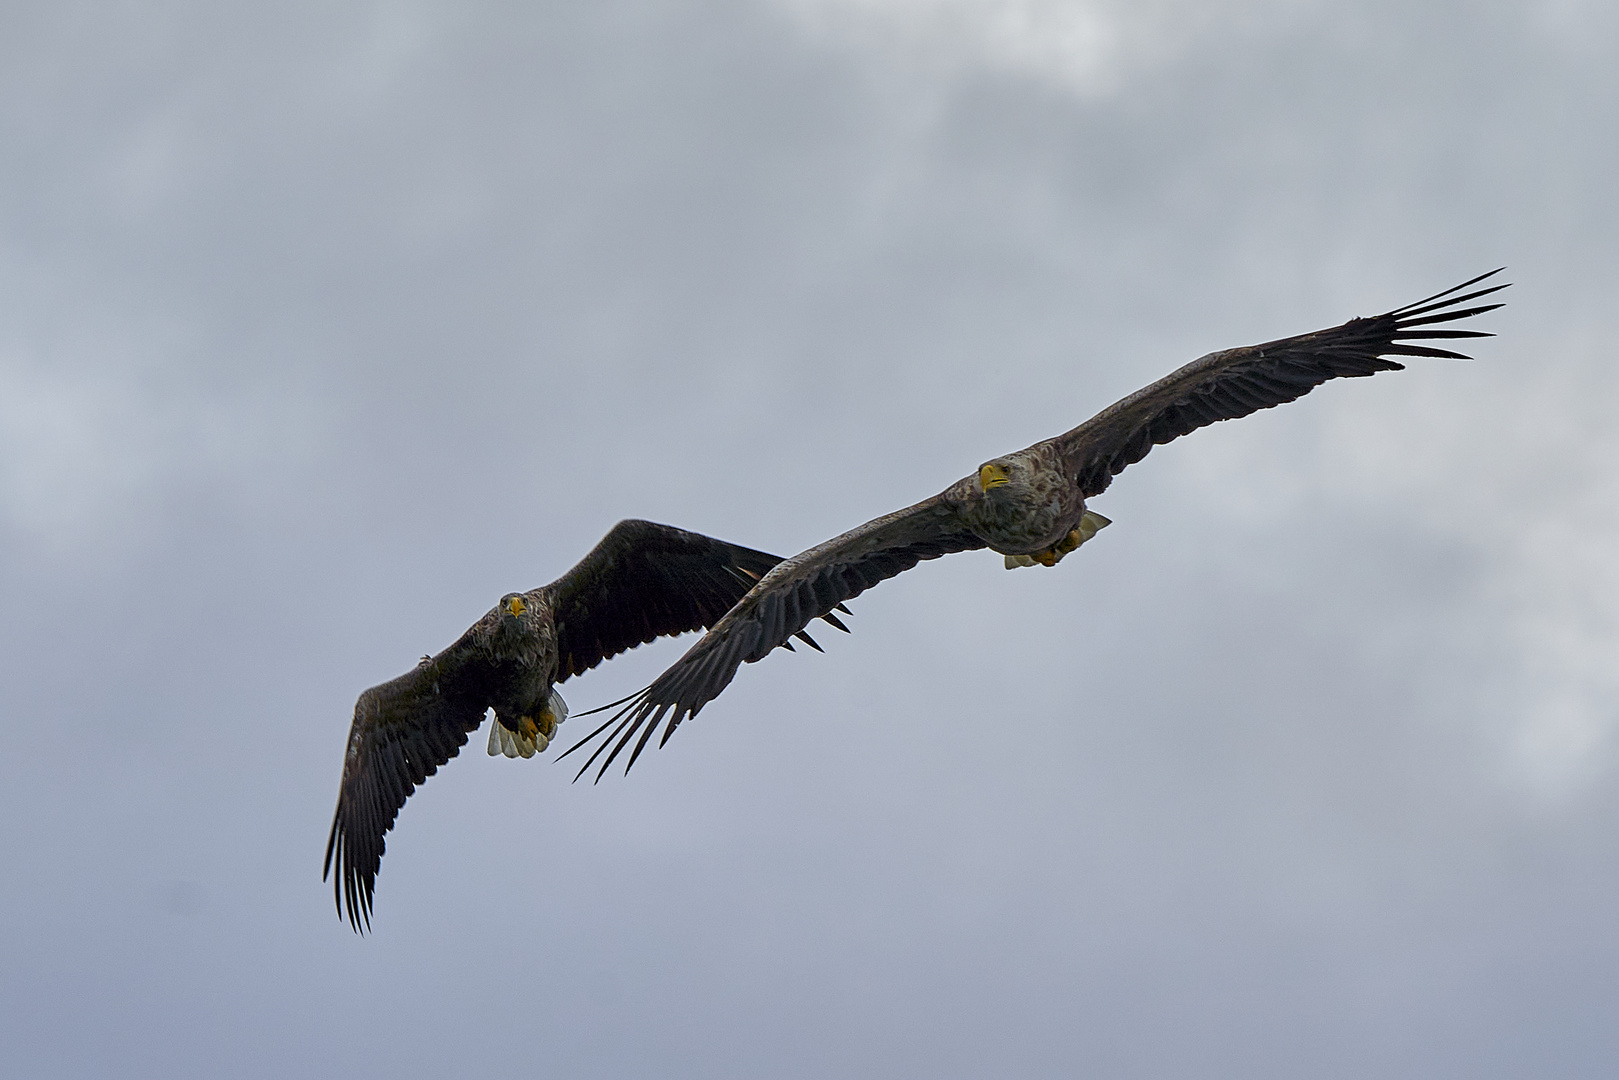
{"type": "Point", "coordinates": [1028, 506]}
{"type": "Point", "coordinates": [641, 582]}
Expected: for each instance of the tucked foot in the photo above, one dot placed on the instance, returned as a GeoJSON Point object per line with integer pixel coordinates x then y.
{"type": "Point", "coordinates": [1089, 525]}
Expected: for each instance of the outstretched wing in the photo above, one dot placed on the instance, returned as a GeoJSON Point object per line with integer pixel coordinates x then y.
{"type": "Point", "coordinates": [1226, 385]}
{"type": "Point", "coordinates": [644, 581]}
{"type": "Point", "coordinates": [802, 588]}
{"type": "Point", "coordinates": [403, 731]}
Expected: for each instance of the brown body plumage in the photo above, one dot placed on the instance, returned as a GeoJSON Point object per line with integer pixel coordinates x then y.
{"type": "Point", "coordinates": [1026, 505]}
{"type": "Point", "coordinates": [1030, 506]}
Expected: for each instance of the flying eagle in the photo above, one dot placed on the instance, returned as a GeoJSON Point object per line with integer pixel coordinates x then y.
{"type": "Point", "coordinates": [641, 582]}
{"type": "Point", "coordinates": [1029, 506]}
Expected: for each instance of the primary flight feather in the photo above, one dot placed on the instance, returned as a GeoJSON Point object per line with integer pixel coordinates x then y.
{"type": "Point", "coordinates": [1029, 506]}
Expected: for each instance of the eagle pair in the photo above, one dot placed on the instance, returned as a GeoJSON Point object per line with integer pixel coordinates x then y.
{"type": "Point", "coordinates": [644, 580]}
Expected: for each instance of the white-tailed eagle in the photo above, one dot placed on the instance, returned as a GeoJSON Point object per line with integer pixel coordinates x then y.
{"type": "Point", "coordinates": [1029, 506]}
{"type": "Point", "coordinates": [641, 582]}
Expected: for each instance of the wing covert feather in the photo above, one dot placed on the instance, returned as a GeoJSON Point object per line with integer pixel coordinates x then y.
{"type": "Point", "coordinates": [644, 581]}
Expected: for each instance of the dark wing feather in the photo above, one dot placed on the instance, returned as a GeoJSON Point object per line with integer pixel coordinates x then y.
{"type": "Point", "coordinates": [403, 731]}
{"type": "Point", "coordinates": [1226, 385]}
{"type": "Point", "coordinates": [645, 581]}
{"type": "Point", "coordinates": [802, 588]}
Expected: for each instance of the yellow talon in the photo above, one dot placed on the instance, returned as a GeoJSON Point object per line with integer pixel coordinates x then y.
{"type": "Point", "coordinates": [1052, 555]}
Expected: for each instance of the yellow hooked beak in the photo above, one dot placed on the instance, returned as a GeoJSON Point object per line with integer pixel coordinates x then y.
{"type": "Point", "coordinates": [993, 476]}
{"type": "Point", "coordinates": [515, 606]}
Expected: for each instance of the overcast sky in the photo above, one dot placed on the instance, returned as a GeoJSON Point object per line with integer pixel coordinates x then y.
{"type": "Point", "coordinates": [323, 326]}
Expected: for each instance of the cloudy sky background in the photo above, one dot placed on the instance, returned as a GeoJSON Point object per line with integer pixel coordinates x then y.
{"type": "Point", "coordinates": [322, 327]}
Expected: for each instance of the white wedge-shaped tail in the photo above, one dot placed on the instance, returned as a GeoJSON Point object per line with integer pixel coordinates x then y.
{"type": "Point", "coordinates": [533, 734]}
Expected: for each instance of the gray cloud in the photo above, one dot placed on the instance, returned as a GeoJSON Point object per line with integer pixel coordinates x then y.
{"type": "Point", "coordinates": [320, 329]}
